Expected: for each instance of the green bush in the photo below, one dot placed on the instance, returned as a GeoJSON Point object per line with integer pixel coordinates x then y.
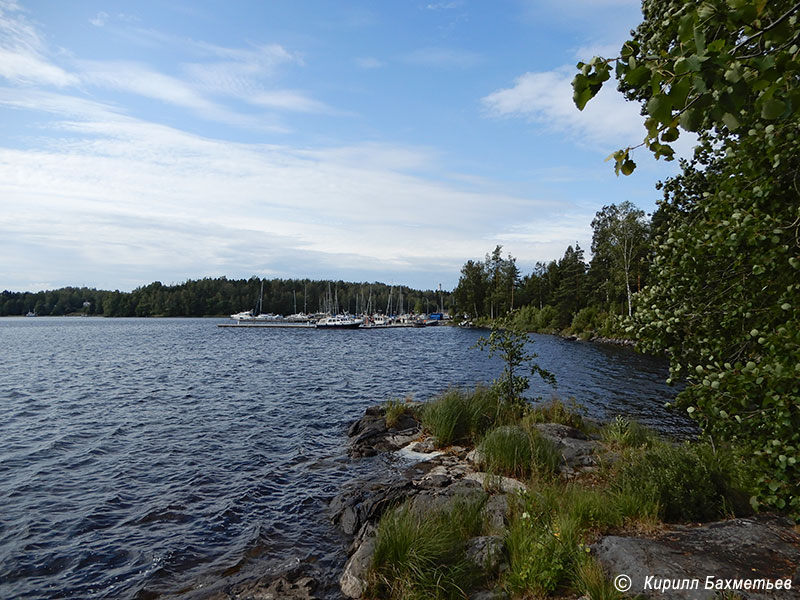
{"type": "Point", "coordinates": [421, 556]}
{"type": "Point", "coordinates": [586, 319]}
{"type": "Point", "coordinates": [686, 482]}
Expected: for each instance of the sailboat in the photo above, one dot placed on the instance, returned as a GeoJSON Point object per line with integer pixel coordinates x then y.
{"type": "Point", "coordinates": [256, 314]}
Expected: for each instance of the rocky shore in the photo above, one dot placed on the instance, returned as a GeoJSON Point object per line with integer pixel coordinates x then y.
{"type": "Point", "coordinates": [732, 552]}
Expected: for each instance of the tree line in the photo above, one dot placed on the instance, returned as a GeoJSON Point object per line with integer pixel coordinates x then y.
{"type": "Point", "coordinates": [568, 294]}
{"type": "Point", "coordinates": [221, 297]}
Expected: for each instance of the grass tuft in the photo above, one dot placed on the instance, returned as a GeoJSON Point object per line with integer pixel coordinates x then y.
{"type": "Point", "coordinates": [590, 580]}
{"type": "Point", "coordinates": [394, 409]}
{"type": "Point", "coordinates": [626, 433]}
{"type": "Point", "coordinates": [462, 416]}
{"type": "Point", "coordinates": [555, 411]}
{"type": "Point", "coordinates": [519, 452]}
{"type": "Point", "coordinates": [423, 556]}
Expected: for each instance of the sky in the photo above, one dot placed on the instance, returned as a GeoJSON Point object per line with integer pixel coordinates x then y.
{"type": "Point", "coordinates": [363, 141]}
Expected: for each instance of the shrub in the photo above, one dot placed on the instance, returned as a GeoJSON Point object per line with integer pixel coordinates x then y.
{"type": "Point", "coordinates": [686, 482]}
{"type": "Point", "coordinates": [586, 319]}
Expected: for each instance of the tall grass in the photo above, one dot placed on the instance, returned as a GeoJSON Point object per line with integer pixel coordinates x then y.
{"type": "Point", "coordinates": [393, 409]}
{"type": "Point", "coordinates": [684, 482]}
{"type": "Point", "coordinates": [462, 416]}
{"type": "Point", "coordinates": [623, 432]}
{"type": "Point", "coordinates": [519, 452]}
{"type": "Point", "coordinates": [556, 411]}
{"type": "Point", "coordinates": [547, 539]}
{"type": "Point", "coordinates": [421, 556]}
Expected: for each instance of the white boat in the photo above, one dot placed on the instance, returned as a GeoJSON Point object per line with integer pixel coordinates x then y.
{"type": "Point", "coordinates": [256, 314]}
{"type": "Point", "coordinates": [339, 322]}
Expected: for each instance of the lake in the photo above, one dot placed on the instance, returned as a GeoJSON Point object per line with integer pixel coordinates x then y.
{"type": "Point", "coordinates": [146, 458]}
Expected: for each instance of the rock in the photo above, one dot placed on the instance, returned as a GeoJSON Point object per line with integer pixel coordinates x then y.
{"type": "Point", "coordinates": [761, 547]}
{"type": "Point", "coordinates": [352, 509]}
{"type": "Point", "coordinates": [370, 435]}
{"type": "Point", "coordinates": [281, 588]}
{"type": "Point", "coordinates": [432, 500]}
{"type": "Point", "coordinates": [495, 512]}
{"type": "Point", "coordinates": [353, 581]}
{"type": "Point", "coordinates": [505, 485]}
{"type": "Point", "coordinates": [557, 431]}
{"type": "Point", "coordinates": [486, 552]}
{"type": "Point", "coordinates": [425, 446]}
{"type": "Point", "coordinates": [476, 457]}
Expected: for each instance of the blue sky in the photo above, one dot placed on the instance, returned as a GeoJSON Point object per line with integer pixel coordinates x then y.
{"type": "Point", "coordinates": [363, 141]}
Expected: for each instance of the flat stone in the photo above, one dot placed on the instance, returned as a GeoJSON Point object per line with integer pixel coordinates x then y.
{"type": "Point", "coordinates": [760, 547]}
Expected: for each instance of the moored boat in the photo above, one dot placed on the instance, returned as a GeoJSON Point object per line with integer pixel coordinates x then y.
{"type": "Point", "coordinates": [339, 322]}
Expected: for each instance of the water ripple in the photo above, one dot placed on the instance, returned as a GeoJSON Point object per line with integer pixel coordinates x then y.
{"type": "Point", "coordinates": [148, 458]}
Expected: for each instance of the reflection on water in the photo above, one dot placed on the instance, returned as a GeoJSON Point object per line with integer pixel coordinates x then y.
{"type": "Point", "coordinates": [145, 456]}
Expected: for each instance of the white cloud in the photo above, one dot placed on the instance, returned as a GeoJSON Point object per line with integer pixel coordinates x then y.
{"type": "Point", "coordinates": [120, 193]}
{"type": "Point", "coordinates": [291, 100]}
{"type": "Point", "coordinates": [443, 5]}
{"type": "Point", "coordinates": [100, 19]}
{"type": "Point", "coordinates": [545, 98]}
{"type": "Point", "coordinates": [22, 52]}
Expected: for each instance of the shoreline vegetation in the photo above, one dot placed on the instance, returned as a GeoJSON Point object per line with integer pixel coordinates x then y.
{"type": "Point", "coordinates": [537, 501]}
{"type": "Point", "coordinates": [511, 497]}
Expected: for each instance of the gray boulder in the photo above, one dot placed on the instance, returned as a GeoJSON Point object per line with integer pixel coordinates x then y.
{"type": "Point", "coordinates": [353, 581]}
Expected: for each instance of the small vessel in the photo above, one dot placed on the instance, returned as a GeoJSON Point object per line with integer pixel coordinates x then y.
{"type": "Point", "coordinates": [30, 313]}
{"type": "Point", "coordinates": [339, 322]}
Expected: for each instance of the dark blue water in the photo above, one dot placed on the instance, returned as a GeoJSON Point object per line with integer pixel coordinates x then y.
{"type": "Point", "coordinates": [161, 457]}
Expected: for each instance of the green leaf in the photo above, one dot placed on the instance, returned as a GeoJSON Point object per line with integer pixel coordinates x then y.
{"type": "Point", "coordinates": [581, 92]}
{"type": "Point", "coordinates": [660, 108]}
{"type": "Point", "coordinates": [686, 27]}
{"type": "Point", "coordinates": [693, 63]}
{"type": "Point", "coordinates": [638, 76]}
{"type": "Point", "coordinates": [670, 135]}
{"type": "Point", "coordinates": [731, 122]}
{"type": "Point", "coordinates": [699, 39]}
{"type": "Point", "coordinates": [690, 119]}
{"type": "Point", "coordinates": [772, 109]}
{"type": "Point", "coordinates": [628, 167]}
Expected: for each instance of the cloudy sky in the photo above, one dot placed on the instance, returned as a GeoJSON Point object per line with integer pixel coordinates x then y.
{"type": "Point", "coordinates": [363, 141]}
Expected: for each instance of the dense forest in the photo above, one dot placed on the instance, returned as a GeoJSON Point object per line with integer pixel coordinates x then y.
{"type": "Point", "coordinates": [569, 294]}
{"type": "Point", "coordinates": [222, 297]}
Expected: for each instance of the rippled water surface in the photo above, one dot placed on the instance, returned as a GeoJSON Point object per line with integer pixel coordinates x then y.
{"type": "Point", "coordinates": [156, 457]}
